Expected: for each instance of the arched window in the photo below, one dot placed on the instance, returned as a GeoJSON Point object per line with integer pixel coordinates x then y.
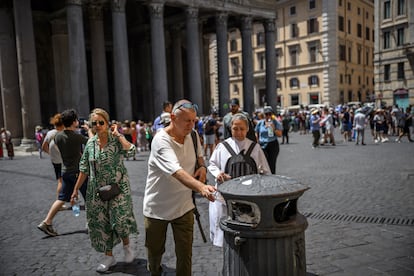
{"type": "Point", "coordinates": [313, 80]}
{"type": "Point", "coordinates": [278, 85]}
{"type": "Point", "coordinates": [233, 45]}
{"type": "Point", "coordinates": [294, 83]}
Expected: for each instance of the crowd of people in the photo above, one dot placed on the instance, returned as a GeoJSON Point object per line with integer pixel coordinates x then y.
{"type": "Point", "coordinates": [183, 148]}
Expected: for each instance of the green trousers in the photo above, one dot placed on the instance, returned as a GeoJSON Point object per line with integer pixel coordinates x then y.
{"type": "Point", "coordinates": [155, 236]}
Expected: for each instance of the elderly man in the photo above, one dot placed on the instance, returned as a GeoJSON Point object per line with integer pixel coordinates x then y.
{"type": "Point", "coordinates": [234, 109]}
{"type": "Point", "coordinates": [172, 177]}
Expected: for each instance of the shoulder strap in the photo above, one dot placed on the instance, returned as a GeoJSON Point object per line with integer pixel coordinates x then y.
{"type": "Point", "coordinates": [194, 138]}
{"type": "Point", "coordinates": [229, 149]}
{"type": "Point", "coordinates": [249, 151]}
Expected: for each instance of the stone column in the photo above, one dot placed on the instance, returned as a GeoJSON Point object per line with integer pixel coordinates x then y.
{"type": "Point", "coordinates": [193, 57]}
{"type": "Point", "coordinates": [122, 79]}
{"type": "Point", "coordinates": [61, 64]}
{"type": "Point", "coordinates": [99, 71]}
{"type": "Point", "coordinates": [27, 66]}
{"type": "Point", "coordinates": [9, 78]}
{"type": "Point", "coordinates": [271, 96]}
{"type": "Point", "coordinates": [178, 62]}
{"type": "Point", "coordinates": [77, 58]}
{"type": "Point", "coordinates": [247, 60]}
{"type": "Point", "coordinates": [159, 64]}
{"type": "Point", "coordinates": [222, 62]}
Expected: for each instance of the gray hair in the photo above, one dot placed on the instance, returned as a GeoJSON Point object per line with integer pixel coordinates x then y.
{"type": "Point", "coordinates": [240, 116]}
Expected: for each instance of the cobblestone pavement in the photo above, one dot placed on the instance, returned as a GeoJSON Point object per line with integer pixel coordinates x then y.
{"type": "Point", "coordinates": [360, 209]}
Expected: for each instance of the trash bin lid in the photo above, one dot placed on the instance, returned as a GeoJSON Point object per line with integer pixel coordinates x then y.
{"type": "Point", "coordinates": [262, 185]}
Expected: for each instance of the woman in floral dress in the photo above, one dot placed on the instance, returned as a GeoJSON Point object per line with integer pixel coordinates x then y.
{"type": "Point", "coordinates": [111, 221]}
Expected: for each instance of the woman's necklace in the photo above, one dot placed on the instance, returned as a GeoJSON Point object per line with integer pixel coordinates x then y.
{"type": "Point", "coordinates": [102, 140]}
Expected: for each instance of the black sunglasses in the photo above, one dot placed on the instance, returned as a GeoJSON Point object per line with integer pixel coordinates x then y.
{"type": "Point", "coordinates": [94, 123]}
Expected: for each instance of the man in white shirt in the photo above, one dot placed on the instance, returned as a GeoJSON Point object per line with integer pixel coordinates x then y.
{"type": "Point", "coordinates": [168, 192]}
{"type": "Point", "coordinates": [359, 126]}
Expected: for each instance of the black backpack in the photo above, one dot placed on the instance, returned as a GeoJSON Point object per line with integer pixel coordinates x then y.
{"type": "Point", "coordinates": [240, 164]}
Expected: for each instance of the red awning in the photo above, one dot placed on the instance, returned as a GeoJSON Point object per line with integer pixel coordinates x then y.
{"type": "Point", "coordinates": [400, 91]}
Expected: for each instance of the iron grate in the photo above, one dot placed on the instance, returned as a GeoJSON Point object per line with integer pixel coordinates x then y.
{"type": "Point", "coordinates": [359, 219]}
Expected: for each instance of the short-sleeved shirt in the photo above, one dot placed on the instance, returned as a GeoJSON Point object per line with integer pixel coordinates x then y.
{"type": "Point", "coordinates": [70, 146]}
{"type": "Point", "coordinates": [54, 152]}
{"type": "Point", "coordinates": [165, 197]}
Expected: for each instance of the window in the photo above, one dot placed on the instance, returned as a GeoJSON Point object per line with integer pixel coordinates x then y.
{"type": "Point", "coordinates": [278, 85]}
{"type": "Point", "coordinates": [261, 60]}
{"type": "Point", "coordinates": [341, 79]}
{"type": "Point", "coordinates": [349, 6]}
{"type": "Point", "coordinates": [292, 10]}
{"type": "Point", "coordinates": [386, 40]}
{"type": "Point", "coordinates": [235, 89]}
{"type": "Point", "coordinates": [235, 65]}
{"type": "Point", "coordinates": [341, 23]}
{"type": "Point", "coordinates": [314, 98]}
{"type": "Point", "coordinates": [349, 53]}
{"type": "Point", "coordinates": [312, 4]}
{"type": "Point", "coordinates": [359, 30]}
{"type": "Point", "coordinates": [401, 7]}
{"type": "Point", "coordinates": [367, 57]}
{"type": "Point", "coordinates": [294, 30]}
{"type": "Point", "coordinates": [367, 32]}
{"type": "Point", "coordinates": [340, 3]}
{"type": "Point", "coordinates": [313, 26]}
{"type": "Point", "coordinates": [349, 79]}
{"type": "Point", "coordinates": [359, 11]}
{"type": "Point", "coordinates": [313, 80]}
{"type": "Point", "coordinates": [359, 54]}
{"type": "Point", "coordinates": [294, 99]}
{"type": "Point", "coordinates": [278, 54]}
{"type": "Point", "coordinates": [401, 73]}
{"type": "Point", "coordinates": [260, 38]}
{"type": "Point", "coordinates": [349, 27]}
{"type": "Point", "coordinates": [342, 54]}
{"type": "Point", "coordinates": [233, 45]}
{"type": "Point", "coordinates": [293, 56]}
{"type": "Point", "coordinates": [400, 36]}
{"type": "Point", "coordinates": [313, 50]}
{"type": "Point", "coordinates": [294, 83]}
{"type": "Point", "coordinates": [387, 9]}
{"type": "Point", "coordinates": [387, 72]}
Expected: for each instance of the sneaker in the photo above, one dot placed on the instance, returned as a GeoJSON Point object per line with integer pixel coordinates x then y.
{"type": "Point", "coordinates": [128, 254]}
{"type": "Point", "coordinates": [48, 229]}
{"type": "Point", "coordinates": [107, 262]}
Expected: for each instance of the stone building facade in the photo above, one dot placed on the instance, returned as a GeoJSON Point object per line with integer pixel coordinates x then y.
{"type": "Point", "coordinates": [127, 56]}
{"type": "Point", "coordinates": [323, 51]}
{"type": "Point", "coordinates": [394, 52]}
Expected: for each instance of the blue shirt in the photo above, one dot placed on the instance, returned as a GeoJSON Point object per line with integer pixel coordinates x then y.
{"type": "Point", "coordinates": [262, 130]}
{"type": "Point", "coordinates": [314, 123]}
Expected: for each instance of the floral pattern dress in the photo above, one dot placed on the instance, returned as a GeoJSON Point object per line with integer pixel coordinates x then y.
{"type": "Point", "coordinates": [108, 221]}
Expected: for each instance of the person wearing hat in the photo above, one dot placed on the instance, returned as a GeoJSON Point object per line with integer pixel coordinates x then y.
{"type": "Point", "coordinates": [234, 109]}
{"type": "Point", "coordinates": [380, 126]}
{"type": "Point", "coordinates": [267, 131]}
{"type": "Point", "coordinates": [359, 126]}
{"type": "Point", "coordinates": [328, 122]}
{"type": "Point", "coordinates": [314, 121]}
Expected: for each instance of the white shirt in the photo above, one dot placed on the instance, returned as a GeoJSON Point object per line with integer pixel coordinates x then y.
{"type": "Point", "coordinates": [220, 156]}
{"type": "Point", "coordinates": [54, 152]}
{"type": "Point", "coordinates": [165, 197]}
{"type": "Point", "coordinates": [359, 121]}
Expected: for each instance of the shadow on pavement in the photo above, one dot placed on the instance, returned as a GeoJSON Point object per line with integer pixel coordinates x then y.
{"type": "Point", "coordinates": [138, 267]}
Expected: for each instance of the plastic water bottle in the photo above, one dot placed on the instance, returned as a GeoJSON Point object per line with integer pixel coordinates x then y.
{"type": "Point", "coordinates": [270, 129]}
{"type": "Point", "coordinates": [76, 208]}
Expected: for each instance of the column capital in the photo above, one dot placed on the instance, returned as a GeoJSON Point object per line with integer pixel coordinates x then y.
{"type": "Point", "coordinates": [118, 5]}
{"type": "Point", "coordinates": [74, 2]}
{"type": "Point", "coordinates": [221, 18]}
{"type": "Point", "coordinates": [95, 10]}
{"type": "Point", "coordinates": [192, 14]}
{"type": "Point", "coordinates": [269, 25]}
{"type": "Point", "coordinates": [156, 9]}
{"type": "Point", "coordinates": [246, 23]}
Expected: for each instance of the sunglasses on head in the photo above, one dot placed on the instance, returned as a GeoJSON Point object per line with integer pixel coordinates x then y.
{"type": "Point", "coordinates": [186, 105]}
{"type": "Point", "coordinates": [94, 123]}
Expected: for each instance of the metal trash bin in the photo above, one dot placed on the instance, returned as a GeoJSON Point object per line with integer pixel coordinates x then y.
{"type": "Point", "coordinates": [263, 232]}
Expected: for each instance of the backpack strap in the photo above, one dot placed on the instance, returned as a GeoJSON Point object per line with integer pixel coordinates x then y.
{"type": "Point", "coordinates": [249, 151]}
{"type": "Point", "coordinates": [229, 149]}
{"type": "Point", "coordinates": [194, 138]}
